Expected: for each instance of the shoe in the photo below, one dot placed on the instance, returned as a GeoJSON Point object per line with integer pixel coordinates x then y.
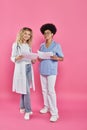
{"type": "Point", "coordinates": [22, 110]}
{"type": "Point", "coordinates": [31, 113]}
{"type": "Point", "coordinates": [27, 116]}
{"type": "Point", "coordinates": [54, 118]}
{"type": "Point", "coordinates": [44, 110]}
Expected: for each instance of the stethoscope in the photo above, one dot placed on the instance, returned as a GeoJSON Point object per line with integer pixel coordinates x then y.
{"type": "Point", "coordinates": [19, 49]}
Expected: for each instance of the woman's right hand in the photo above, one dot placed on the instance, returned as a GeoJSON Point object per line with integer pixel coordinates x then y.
{"type": "Point", "coordinates": [19, 57]}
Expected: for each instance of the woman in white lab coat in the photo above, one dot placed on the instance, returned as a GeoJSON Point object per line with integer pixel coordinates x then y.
{"type": "Point", "coordinates": [23, 72]}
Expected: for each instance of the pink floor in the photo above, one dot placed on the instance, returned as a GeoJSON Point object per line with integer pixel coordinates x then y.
{"type": "Point", "coordinates": [73, 115]}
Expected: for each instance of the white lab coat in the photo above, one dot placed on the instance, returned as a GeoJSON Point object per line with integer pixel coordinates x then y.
{"type": "Point", "coordinates": [19, 78]}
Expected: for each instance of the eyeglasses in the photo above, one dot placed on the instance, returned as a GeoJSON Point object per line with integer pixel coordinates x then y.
{"type": "Point", "coordinates": [47, 33]}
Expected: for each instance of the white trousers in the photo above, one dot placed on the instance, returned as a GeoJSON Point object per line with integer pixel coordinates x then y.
{"type": "Point", "coordinates": [48, 91]}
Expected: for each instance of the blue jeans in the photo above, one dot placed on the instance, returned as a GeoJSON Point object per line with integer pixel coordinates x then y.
{"type": "Point", "coordinates": [25, 98]}
{"type": "Point", "coordinates": [25, 102]}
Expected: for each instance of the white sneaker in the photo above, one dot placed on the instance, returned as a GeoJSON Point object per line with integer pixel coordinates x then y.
{"type": "Point", "coordinates": [54, 118]}
{"type": "Point", "coordinates": [44, 110]}
{"type": "Point", "coordinates": [31, 113]}
{"type": "Point", "coordinates": [22, 110]}
{"type": "Point", "coordinates": [27, 116]}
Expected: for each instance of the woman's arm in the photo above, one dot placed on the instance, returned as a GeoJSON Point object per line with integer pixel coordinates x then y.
{"type": "Point", "coordinates": [14, 55]}
{"type": "Point", "coordinates": [17, 58]}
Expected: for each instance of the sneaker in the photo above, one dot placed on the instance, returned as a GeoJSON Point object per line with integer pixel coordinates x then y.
{"type": "Point", "coordinates": [31, 113]}
{"type": "Point", "coordinates": [44, 110]}
{"type": "Point", "coordinates": [27, 116]}
{"type": "Point", "coordinates": [22, 110]}
{"type": "Point", "coordinates": [54, 118]}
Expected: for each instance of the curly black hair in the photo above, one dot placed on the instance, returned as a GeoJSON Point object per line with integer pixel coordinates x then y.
{"type": "Point", "coordinates": [48, 26]}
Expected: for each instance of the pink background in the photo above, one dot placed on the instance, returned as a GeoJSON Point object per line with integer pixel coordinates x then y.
{"type": "Point", "coordinates": [70, 17]}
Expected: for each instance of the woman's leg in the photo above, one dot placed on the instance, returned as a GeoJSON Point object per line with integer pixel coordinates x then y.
{"type": "Point", "coordinates": [22, 107]}
{"type": "Point", "coordinates": [27, 102]}
{"type": "Point", "coordinates": [27, 105]}
{"type": "Point", "coordinates": [22, 102]}
{"type": "Point", "coordinates": [52, 94]}
{"type": "Point", "coordinates": [44, 90]}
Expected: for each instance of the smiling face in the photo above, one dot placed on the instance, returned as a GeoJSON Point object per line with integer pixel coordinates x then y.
{"type": "Point", "coordinates": [48, 34]}
{"type": "Point", "coordinates": [26, 35]}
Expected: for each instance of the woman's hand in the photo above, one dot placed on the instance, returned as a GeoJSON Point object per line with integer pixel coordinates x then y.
{"type": "Point", "coordinates": [33, 61]}
{"type": "Point", "coordinates": [56, 58]}
{"type": "Point", "coordinates": [19, 57]}
{"type": "Point", "coordinates": [39, 59]}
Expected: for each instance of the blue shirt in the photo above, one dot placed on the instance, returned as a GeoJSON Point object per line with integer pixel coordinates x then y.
{"type": "Point", "coordinates": [49, 66]}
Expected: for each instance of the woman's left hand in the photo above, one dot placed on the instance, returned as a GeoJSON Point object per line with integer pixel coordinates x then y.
{"type": "Point", "coordinates": [54, 57]}
{"type": "Point", "coordinates": [57, 58]}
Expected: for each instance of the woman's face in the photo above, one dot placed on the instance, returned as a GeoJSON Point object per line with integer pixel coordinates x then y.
{"type": "Point", "coordinates": [26, 35]}
{"type": "Point", "coordinates": [48, 34]}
